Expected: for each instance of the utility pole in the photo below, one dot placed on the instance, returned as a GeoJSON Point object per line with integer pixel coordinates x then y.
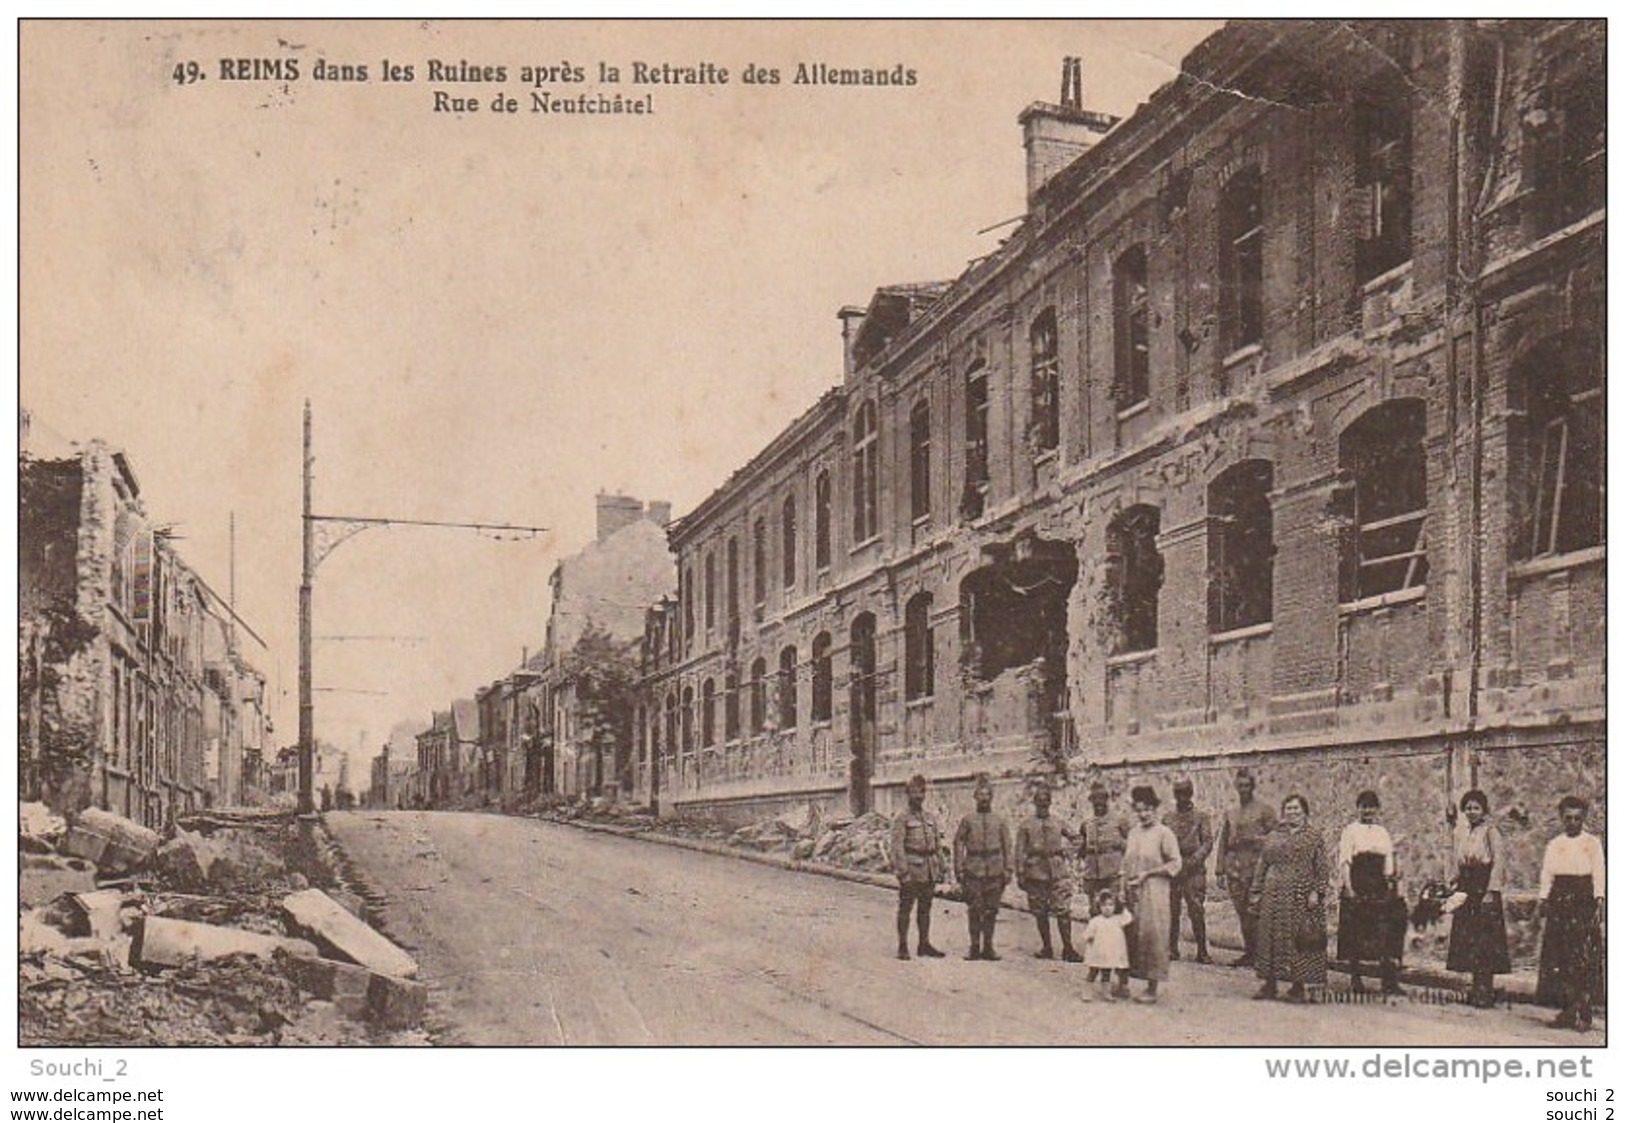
{"type": "Point", "coordinates": [340, 528]}
{"type": "Point", "coordinates": [307, 712]}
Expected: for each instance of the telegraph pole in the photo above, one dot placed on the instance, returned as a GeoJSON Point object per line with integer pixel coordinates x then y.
{"type": "Point", "coordinates": [307, 712]}
{"type": "Point", "coordinates": [337, 529]}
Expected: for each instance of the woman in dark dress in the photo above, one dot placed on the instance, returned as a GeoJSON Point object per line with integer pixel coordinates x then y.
{"type": "Point", "coordinates": [1478, 928]}
{"type": "Point", "coordinates": [1572, 887]}
{"type": "Point", "coordinates": [1370, 914]}
{"type": "Point", "coordinates": [1289, 890]}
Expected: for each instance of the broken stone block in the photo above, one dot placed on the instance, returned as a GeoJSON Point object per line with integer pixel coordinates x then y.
{"type": "Point", "coordinates": [803, 849]}
{"type": "Point", "coordinates": [113, 842]}
{"type": "Point", "coordinates": [338, 932]}
{"type": "Point", "coordinates": [45, 877]}
{"type": "Point", "coordinates": [182, 863]}
{"type": "Point", "coordinates": [346, 985]}
{"type": "Point", "coordinates": [397, 1003]}
{"type": "Point", "coordinates": [99, 913]}
{"type": "Point", "coordinates": [158, 941]}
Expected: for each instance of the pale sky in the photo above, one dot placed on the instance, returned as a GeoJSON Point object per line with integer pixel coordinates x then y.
{"type": "Point", "coordinates": [495, 317]}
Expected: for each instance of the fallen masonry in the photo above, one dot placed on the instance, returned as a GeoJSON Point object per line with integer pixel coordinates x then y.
{"type": "Point", "coordinates": [196, 937]}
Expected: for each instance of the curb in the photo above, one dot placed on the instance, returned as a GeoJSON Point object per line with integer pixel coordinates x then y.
{"type": "Point", "coordinates": [1514, 988]}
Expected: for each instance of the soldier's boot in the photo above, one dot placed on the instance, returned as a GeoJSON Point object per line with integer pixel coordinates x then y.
{"type": "Point", "coordinates": [988, 923]}
{"type": "Point", "coordinates": [1068, 952]}
{"type": "Point", "coordinates": [902, 930]}
{"type": "Point", "coordinates": [973, 922]}
{"type": "Point", "coordinates": [1199, 928]}
{"type": "Point", "coordinates": [1048, 950]}
{"type": "Point", "coordinates": [924, 949]}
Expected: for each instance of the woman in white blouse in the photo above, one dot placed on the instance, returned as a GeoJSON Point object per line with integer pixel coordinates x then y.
{"type": "Point", "coordinates": [1367, 931]}
{"type": "Point", "coordinates": [1478, 928]}
{"type": "Point", "coordinates": [1571, 908]}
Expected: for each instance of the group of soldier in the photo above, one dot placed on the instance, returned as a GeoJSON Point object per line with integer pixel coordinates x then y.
{"type": "Point", "coordinates": [1040, 857]}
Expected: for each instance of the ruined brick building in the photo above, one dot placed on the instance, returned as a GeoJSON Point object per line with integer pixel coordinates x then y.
{"type": "Point", "coordinates": [134, 694]}
{"type": "Point", "coordinates": [1273, 435]}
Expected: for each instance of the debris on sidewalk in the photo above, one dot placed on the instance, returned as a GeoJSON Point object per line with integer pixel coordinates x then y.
{"type": "Point", "coordinates": [336, 930]}
{"type": "Point", "coordinates": [129, 937]}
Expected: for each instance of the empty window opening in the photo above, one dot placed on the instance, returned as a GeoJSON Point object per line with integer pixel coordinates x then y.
{"type": "Point", "coordinates": [1044, 346]}
{"type": "Point", "coordinates": [919, 653]}
{"type": "Point", "coordinates": [1131, 305]}
{"type": "Point", "coordinates": [1241, 547]}
{"type": "Point", "coordinates": [1241, 248]}
{"type": "Point", "coordinates": [1382, 176]}
{"type": "Point", "coordinates": [1385, 500]}
{"type": "Point", "coordinates": [976, 463]}
{"type": "Point", "coordinates": [787, 688]}
{"type": "Point", "coordinates": [919, 459]}
{"type": "Point", "coordinates": [1564, 501]}
{"type": "Point", "coordinates": [1134, 578]}
{"type": "Point", "coordinates": [823, 678]}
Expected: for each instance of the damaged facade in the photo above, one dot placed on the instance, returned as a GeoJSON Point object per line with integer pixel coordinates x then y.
{"type": "Point", "coordinates": [1272, 436]}
{"type": "Point", "coordinates": [134, 695]}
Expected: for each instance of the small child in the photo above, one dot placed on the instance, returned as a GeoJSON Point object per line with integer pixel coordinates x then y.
{"type": "Point", "coordinates": [1106, 944]}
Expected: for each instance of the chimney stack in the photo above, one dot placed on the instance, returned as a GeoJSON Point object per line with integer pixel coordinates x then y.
{"type": "Point", "coordinates": [659, 512]}
{"type": "Point", "coordinates": [1056, 135]}
{"type": "Point", "coordinates": [616, 512]}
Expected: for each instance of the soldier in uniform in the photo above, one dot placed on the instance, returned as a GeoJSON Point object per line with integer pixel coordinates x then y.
{"type": "Point", "coordinates": [1241, 840]}
{"type": "Point", "coordinates": [1042, 873]}
{"type": "Point", "coordinates": [983, 859]}
{"type": "Point", "coordinates": [916, 858]}
{"type": "Point", "coordinates": [1101, 845]}
{"type": "Point", "coordinates": [1194, 831]}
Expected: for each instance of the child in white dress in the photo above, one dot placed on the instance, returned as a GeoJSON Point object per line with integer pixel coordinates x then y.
{"type": "Point", "coordinates": [1106, 943]}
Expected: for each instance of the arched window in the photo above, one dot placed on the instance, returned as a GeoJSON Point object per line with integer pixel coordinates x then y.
{"type": "Point", "coordinates": [1134, 577]}
{"type": "Point", "coordinates": [688, 720]}
{"type": "Point", "coordinates": [671, 722]}
{"type": "Point", "coordinates": [1131, 335]}
{"type": "Point", "coordinates": [787, 688]}
{"type": "Point", "coordinates": [823, 678]}
{"type": "Point", "coordinates": [1241, 259]}
{"type": "Point", "coordinates": [919, 460]}
{"type": "Point", "coordinates": [821, 520]}
{"type": "Point", "coordinates": [1563, 500]}
{"type": "Point", "coordinates": [1045, 351]}
{"type": "Point", "coordinates": [788, 543]}
{"type": "Point", "coordinates": [758, 696]}
{"type": "Point", "coordinates": [708, 713]}
{"type": "Point", "coordinates": [919, 654]}
{"type": "Point", "coordinates": [865, 481]}
{"type": "Point", "coordinates": [1240, 547]}
{"type": "Point", "coordinates": [1385, 500]}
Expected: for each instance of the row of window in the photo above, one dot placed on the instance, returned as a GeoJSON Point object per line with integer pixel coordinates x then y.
{"type": "Point", "coordinates": [1381, 502]}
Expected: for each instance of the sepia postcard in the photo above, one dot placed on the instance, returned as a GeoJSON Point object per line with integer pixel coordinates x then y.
{"type": "Point", "coordinates": [812, 533]}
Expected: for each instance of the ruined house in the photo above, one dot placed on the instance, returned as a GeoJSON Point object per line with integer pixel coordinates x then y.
{"type": "Point", "coordinates": [134, 695]}
{"type": "Point", "coordinates": [1272, 435]}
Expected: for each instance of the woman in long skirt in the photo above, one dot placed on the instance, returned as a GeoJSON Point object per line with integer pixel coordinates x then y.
{"type": "Point", "coordinates": [1289, 890]}
{"type": "Point", "coordinates": [1370, 914]}
{"type": "Point", "coordinates": [1478, 928]}
{"type": "Point", "coordinates": [1150, 863]}
{"type": "Point", "coordinates": [1571, 909]}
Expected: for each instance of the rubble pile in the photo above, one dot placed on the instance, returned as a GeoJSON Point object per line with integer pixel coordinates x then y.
{"type": "Point", "coordinates": [210, 936]}
{"type": "Point", "coordinates": [861, 843]}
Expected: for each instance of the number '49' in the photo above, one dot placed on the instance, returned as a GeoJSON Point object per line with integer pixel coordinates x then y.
{"type": "Point", "coordinates": [186, 73]}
